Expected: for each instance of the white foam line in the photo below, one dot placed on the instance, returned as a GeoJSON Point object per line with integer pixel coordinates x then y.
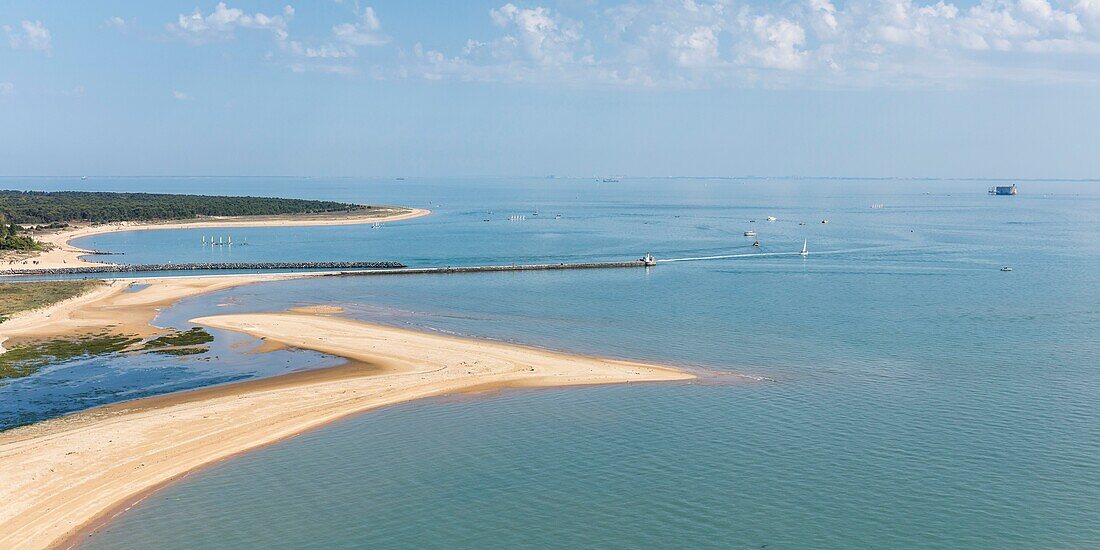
{"type": "Point", "coordinates": [726, 256]}
{"type": "Point", "coordinates": [761, 255]}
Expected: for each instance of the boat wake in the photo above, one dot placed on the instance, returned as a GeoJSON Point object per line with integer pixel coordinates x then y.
{"type": "Point", "coordinates": [727, 256]}
{"type": "Point", "coordinates": [765, 255]}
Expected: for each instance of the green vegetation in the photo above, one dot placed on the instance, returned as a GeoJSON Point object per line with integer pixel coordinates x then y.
{"type": "Point", "coordinates": [193, 337]}
{"type": "Point", "coordinates": [16, 297]}
{"type": "Point", "coordinates": [188, 342]}
{"type": "Point", "coordinates": [182, 351]}
{"type": "Point", "coordinates": [41, 207]}
{"type": "Point", "coordinates": [26, 359]}
{"type": "Point", "coordinates": [10, 239]}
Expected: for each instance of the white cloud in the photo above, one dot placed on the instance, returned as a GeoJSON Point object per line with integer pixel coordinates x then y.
{"type": "Point", "coordinates": [330, 51]}
{"type": "Point", "coordinates": [693, 43]}
{"type": "Point", "coordinates": [537, 45]}
{"type": "Point", "coordinates": [330, 68]}
{"type": "Point", "coordinates": [322, 51]}
{"type": "Point", "coordinates": [366, 32]}
{"type": "Point", "coordinates": [221, 23]}
{"type": "Point", "coordinates": [823, 17]}
{"type": "Point", "coordinates": [535, 33]}
{"type": "Point", "coordinates": [7, 88]}
{"type": "Point", "coordinates": [706, 43]}
{"type": "Point", "coordinates": [181, 96]}
{"type": "Point", "coordinates": [1088, 12]}
{"type": "Point", "coordinates": [32, 35]}
{"type": "Point", "coordinates": [698, 48]}
{"type": "Point", "coordinates": [1041, 14]}
{"type": "Point", "coordinates": [336, 57]}
{"type": "Point", "coordinates": [773, 43]}
{"type": "Point", "coordinates": [117, 22]}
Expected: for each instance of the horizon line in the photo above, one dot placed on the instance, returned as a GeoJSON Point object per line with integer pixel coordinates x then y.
{"type": "Point", "coordinates": [638, 177]}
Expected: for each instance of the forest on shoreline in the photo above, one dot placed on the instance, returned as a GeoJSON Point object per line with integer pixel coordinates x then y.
{"type": "Point", "coordinates": [46, 207]}
{"type": "Point", "coordinates": [23, 210]}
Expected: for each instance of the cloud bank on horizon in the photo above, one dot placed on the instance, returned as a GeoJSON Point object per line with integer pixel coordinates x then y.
{"type": "Point", "coordinates": [814, 87]}
{"type": "Point", "coordinates": [805, 43]}
{"type": "Point", "coordinates": [723, 42]}
{"type": "Point", "coordinates": [670, 43]}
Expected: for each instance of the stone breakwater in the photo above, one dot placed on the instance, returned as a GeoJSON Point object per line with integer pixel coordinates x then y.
{"type": "Point", "coordinates": [242, 266]}
{"type": "Point", "coordinates": [491, 268]}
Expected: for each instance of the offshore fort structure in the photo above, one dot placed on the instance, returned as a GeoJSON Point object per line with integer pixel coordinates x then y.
{"type": "Point", "coordinates": [337, 268]}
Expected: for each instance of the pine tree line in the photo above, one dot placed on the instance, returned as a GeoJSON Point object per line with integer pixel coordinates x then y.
{"type": "Point", "coordinates": [41, 207]}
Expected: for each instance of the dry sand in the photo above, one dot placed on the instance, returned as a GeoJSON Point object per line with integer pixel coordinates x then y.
{"type": "Point", "coordinates": [62, 254]}
{"type": "Point", "coordinates": [60, 476]}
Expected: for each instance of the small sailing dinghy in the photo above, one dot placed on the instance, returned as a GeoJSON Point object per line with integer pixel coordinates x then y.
{"type": "Point", "coordinates": [804, 251]}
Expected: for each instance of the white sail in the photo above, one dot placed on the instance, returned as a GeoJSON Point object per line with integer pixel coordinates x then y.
{"type": "Point", "coordinates": [804, 251]}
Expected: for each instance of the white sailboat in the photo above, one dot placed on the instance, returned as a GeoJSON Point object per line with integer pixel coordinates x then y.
{"type": "Point", "coordinates": [804, 251]}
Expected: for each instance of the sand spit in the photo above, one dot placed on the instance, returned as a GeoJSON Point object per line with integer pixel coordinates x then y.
{"type": "Point", "coordinates": [59, 476]}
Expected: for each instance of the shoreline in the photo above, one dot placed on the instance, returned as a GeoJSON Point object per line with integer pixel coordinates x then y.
{"type": "Point", "coordinates": [63, 477]}
{"type": "Point", "coordinates": [63, 254]}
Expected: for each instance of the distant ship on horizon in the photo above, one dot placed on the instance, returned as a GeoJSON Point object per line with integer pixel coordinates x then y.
{"type": "Point", "coordinates": [1003, 190]}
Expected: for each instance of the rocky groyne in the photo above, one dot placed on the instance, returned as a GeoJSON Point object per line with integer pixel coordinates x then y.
{"type": "Point", "coordinates": [221, 266]}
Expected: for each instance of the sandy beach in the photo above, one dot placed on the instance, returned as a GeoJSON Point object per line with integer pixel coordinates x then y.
{"type": "Point", "coordinates": [61, 476]}
{"type": "Point", "coordinates": [63, 254]}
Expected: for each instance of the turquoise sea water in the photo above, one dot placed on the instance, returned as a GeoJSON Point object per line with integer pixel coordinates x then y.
{"type": "Point", "coordinates": [893, 389]}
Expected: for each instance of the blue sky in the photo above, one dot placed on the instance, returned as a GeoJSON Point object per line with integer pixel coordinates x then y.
{"type": "Point", "coordinates": [993, 88]}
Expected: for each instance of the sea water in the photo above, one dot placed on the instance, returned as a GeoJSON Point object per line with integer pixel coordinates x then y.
{"type": "Point", "coordinates": [894, 388]}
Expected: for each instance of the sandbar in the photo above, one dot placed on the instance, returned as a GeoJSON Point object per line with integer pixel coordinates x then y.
{"type": "Point", "coordinates": [60, 476]}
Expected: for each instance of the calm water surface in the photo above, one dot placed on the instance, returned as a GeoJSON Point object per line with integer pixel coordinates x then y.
{"type": "Point", "coordinates": [901, 390]}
